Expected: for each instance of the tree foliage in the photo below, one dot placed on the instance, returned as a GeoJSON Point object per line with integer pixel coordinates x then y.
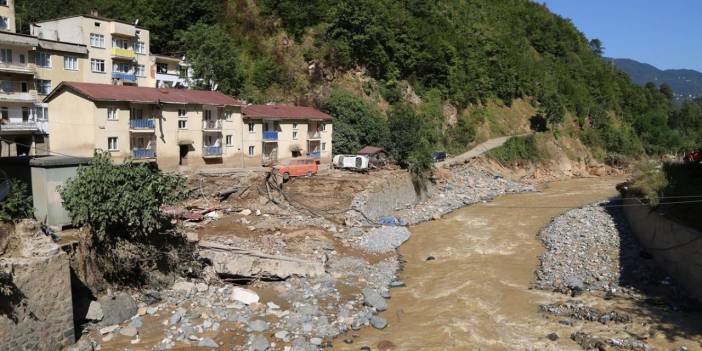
{"type": "Point", "coordinates": [18, 203]}
{"type": "Point", "coordinates": [356, 124]}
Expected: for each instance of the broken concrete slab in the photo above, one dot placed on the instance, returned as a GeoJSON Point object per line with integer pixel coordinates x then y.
{"type": "Point", "coordinates": [117, 309]}
{"type": "Point", "coordinates": [232, 261]}
{"type": "Point", "coordinates": [244, 296]}
{"type": "Point", "coordinates": [94, 311]}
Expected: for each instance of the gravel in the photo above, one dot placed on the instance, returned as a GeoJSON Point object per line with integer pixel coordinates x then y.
{"type": "Point", "coordinates": [384, 239]}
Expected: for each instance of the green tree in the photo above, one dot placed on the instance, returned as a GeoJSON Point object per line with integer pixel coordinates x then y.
{"type": "Point", "coordinates": [18, 203]}
{"type": "Point", "coordinates": [408, 139]}
{"type": "Point", "coordinates": [356, 122]}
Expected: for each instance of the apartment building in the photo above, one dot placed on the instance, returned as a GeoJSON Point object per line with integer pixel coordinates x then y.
{"type": "Point", "coordinates": [29, 68]}
{"type": "Point", "coordinates": [118, 52]}
{"type": "Point", "coordinates": [7, 16]}
{"type": "Point", "coordinates": [278, 132]}
{"type": "Point", "coordinates": [171, 71]}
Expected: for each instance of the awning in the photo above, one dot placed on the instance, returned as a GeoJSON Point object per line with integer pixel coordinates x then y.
{"type": "Point", "coordinates": [185, 142]}
{"type": "Point", "coordinates": [62, 46]}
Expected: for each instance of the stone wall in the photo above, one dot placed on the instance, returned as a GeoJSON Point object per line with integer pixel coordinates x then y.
{"type": "Point", "coordinates": [676, 248]}
{"type": "Point", "coordinates": [36, 313]}
{"type": "Point", "coordinates": [387, 195]}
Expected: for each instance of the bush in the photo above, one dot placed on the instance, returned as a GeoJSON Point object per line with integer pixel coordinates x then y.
{"type": "Point", "coordinates": [18, 203]}
{"type": "Point", "coordinates": [517, 150]}
{"type": "Point", "coordinates": [122, 206]}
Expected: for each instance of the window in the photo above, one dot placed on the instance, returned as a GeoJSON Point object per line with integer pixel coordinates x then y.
{"type": "Point", "coordinates": [162, 68]}
{"type": "Point", "coordinates": [324, 146]}
{"type": "Point", "coordinates": [294, 134]}
{"type": "Point", "coordinates": [183, 113]}
{"type": "Point", "coordinates": [112, 114]}
{"type": "Point", "coordinates": [121, 67]}
{"type": "Point", "coordinates": [97, 40]}
{"type": "Point", "coordinates": [97, 24]}
{"type": "Point", "coordinates": [43, 59]}
{"type": "Point", "coordinates": [24, 87]}
{"type": "Point", "coordinates": [140, 71]}
{"type": "Point", "coordinates": [112, 144]}
{"type": "Point", "coordinates": [140, 47]}
{"type": "Point", "coordinates": [228, 140]}
{"type": "Point", "coordinates": [182, 124]}
{"type": "Point", "coordinates": [43, 86]}
{"type": "Point", "coordinates": [183, 72]}
{"type": "Point", "coordinates": [252, 150]}
{"type": "Point", "coordinates": [136, 113]}
{"type": "Point", "coordinates": [70, 63]}
{"type": "Point", "coordinates": [6, 55]}
{"type": "Point", "coordinates": [4, 113]}
{"type": "Point", "coordinates": [120, 43]}
{"type": "Point", "coordinates": [294, 125]}
{"type": "Point", "coordinates": [4, 23]}
{"type": "Point", "coordinates": [228, 115]}
{"type": "Point", "coordinates": [208, 114]}
{"type": "Point", "coordinates": [22, 59]}
{"type": "Point", "coordinates": [25, 114]}
{"type": "Point", "coordinates": [252, 127]}
{"type": "Point", "coordinates": [97, 66]}
{"type": "Point", "coordinates": [6, 86]}
{"type": "Point", "coordinates": [323, 127]}
{"type": "Point", "coordinates": [42, 112]}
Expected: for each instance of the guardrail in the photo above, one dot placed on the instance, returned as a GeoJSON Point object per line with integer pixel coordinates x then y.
{"type": "Point", "coordinates": [270, 135]}
{"type": "Point", "coordinates": [127, 77]}
{"type": "Point", "coordinates": [315, 154]}
{"type": "Point", "coordinates": [212, 151]}
{"type": "Point", "coordinates": [123, 53]}
{"type": "Point", "coordinates": [24, 125]}
{"type": "Point", "coordinates": [314, 135]}
{"type": "Point", "coordinates": [143, 153]}
{"type": "Point", "coordinates": [141, 124]}
{"type": "Point", "coordinates": [211, 124]}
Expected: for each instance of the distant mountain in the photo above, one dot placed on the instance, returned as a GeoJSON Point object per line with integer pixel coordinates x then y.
{"type": "Point", "coordinates": [686, 83]}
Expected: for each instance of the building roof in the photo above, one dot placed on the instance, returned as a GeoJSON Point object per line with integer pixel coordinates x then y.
{"type": "Point", "coordinates": [108, 92]}
{"type": "Point", "coordinates": [99, 18]}
{"type": "Point", "coordinates": [370, 150]}
{"type": "Point", "coordinates": [283, 112]}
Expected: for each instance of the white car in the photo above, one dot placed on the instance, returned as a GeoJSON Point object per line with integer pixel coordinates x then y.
{"type": "Point", "coordinates": [355, 162]}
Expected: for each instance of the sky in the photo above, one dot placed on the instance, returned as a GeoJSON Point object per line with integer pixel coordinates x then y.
{"type": "Point", "coordinates": [664, 33]}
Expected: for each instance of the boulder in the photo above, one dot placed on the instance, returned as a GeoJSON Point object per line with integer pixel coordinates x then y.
{"type": "Point", "coordinates": [258, 325]}
{"type": "Point", "coordinates": [259, 343]}
{"type": "Point", "coordinates": [117, 309]}
{"type": "Point", "coordinates": [128, 331]}
{"type": "Point", "coordinates": [207, 343]}
{"type": "Point", "coordinates": [378, 323]}
{"type": "Point", "coordinates": [373, 299]}
{"type": "Point", "coordinates": [244, 296]}
{"type": "Point", "coordinates": [183, 286]}
{"type": "Point", "coordinates": [94, 311]}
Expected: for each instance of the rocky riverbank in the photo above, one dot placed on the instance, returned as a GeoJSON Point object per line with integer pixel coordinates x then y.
{"type": "Point", "coordinates": [310, 276]}
{"type": "Point", "coordinates": [592, 256]}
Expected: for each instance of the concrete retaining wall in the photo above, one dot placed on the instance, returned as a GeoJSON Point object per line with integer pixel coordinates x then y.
{"type": "Point", "coordinates": [387, 195]}
{"type": "Point", "coordinates": [676, 248]}
{"type": "Point", "coordinates": [38, 312]}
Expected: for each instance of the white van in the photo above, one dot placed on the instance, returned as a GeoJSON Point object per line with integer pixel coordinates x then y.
{"type": "Point", "coordinates": [355, 162]}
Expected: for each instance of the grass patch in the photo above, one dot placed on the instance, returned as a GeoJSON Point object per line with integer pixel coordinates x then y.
{"type": "Point", "coordinates": [517, 151]}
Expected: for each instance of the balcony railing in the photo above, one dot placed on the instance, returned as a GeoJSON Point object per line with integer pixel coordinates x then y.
{"type": "Point", "coordinates": [126, 53]}
{"type": "Point", "coordinates": [315, 155]}
{"type": "Point", "coordinates": [18, 126]}
{"type": "Point", "coordinates": [141, 124]}
{"type": "Point", "coordinates": [21, 68]}
{"type": "Point", "coordinates": [143, 153]}
{"type": "Point", "coordinates": [209, 151]}
{"type": "Point", "coordinates": [313, 135]}
{"type": "Point", "coordinates": [270, 135]}
{"type": "Point", "coordinates": [211, 124]}
{"type": "Point", "coordinates": [127, 77]}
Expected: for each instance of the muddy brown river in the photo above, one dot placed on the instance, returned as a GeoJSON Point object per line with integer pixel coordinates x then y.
{"type": "Point", "coordinates": [475, 294]}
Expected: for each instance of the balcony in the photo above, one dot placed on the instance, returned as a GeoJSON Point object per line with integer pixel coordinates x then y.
{"type": "Point", "coordinates": [10, 96]}
{"type": "Point", "coordinates": [315, 155]}
{"type": "Point", "coordinates": [314, 135]}
{"type": "Point", "coordinates": [7, 127]}
{"type": "Point", "coordinates": [127, 77]}
{"type": "Point", "coordinates": [212, 124]}
{"type": "Point", "coordinates": [141, 124]}
{"type": "Point", "coordinates": [123, 53]}
{"type": "Point", "coordinates": [141, 154]}
{"type": "Point", "coordinates": [270, 136]}
{"type": "Point", "coordinates": [212, 151]}
{"type": "Point", "coordinates": [17, 68]}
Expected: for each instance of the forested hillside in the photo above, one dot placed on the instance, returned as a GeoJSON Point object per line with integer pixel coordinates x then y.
{"type": "Point", "coordinates": [463, 54]}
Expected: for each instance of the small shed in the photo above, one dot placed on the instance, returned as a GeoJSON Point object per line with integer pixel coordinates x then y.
{"type": "Point", "coordinates": [377, 156]}
{"type": "Point", "coordinates": [48, 173]}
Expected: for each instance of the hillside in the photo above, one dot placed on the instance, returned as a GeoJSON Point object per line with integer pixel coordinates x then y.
{"type": "Point", "coordinates": [686, 83]}
{"type": "Point", "coordinates": [413, 76]}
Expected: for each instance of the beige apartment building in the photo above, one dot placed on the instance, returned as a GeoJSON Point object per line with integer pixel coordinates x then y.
{"type": "Point", "coordinates": [274, 133]}
{"type": "Point", "coordinates": [7, 16]}
{"type": "Point", "coordinates": [29, 68]}
{"type": "Point", "coordinates": [179, 127]}
{"type": "Point", "coordinates": [118, 52]}
{"type": "Point", "coordinates": [171, 72]}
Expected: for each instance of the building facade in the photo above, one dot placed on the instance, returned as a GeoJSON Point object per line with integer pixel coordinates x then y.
{"type": "Point", "coordinates": [179, 127]}
{"type": "Point", "coordinates": [170, 72]}
{"type": "Point", "coordinates": [274, 133]}
{"type": "Point", "coordinates": [118, 52]}
{"type": "Point", "coordinates": [7, 16]}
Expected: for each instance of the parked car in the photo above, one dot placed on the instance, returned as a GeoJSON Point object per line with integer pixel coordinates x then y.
{"type": "Point", "coordinates": [438, 156]}
{"type": "Point", "coordinates": [354, 162]}
{"type": "Point", "coordinates": [694, 156]}
{"type": "Point", "coordinates": [296, 167]}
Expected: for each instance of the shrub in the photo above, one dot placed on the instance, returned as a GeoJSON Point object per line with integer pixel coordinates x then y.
{"type": "Point", "coordinates": [517, 150]}
{"type": "Point", "coordinates": [18, 203]}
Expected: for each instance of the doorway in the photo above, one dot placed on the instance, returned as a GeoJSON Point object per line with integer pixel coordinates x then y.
{"type": "Point", "coordinates": [183, 159]}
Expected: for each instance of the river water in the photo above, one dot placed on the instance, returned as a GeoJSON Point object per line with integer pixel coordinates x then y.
{"type": "Point", "coordinates": [475, 294]}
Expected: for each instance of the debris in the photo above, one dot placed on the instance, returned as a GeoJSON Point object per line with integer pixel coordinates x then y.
{"type": "Point", "coordinates": [208, 343]}
{"type": "Point", "coordinates": [244, 296]}
{"type": "Point", "coordinates": [110, 329]}
{"type": "Point", "coordinates": [378, 323]}
{"type": "Point", "coordinates": [117, 309]}
{"type": "Point", "coordinates": [373, 299]}
{"type": "Point", "coordinates": [128, 331]}
{"type": "Point", "coordinates": [94, 311]}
